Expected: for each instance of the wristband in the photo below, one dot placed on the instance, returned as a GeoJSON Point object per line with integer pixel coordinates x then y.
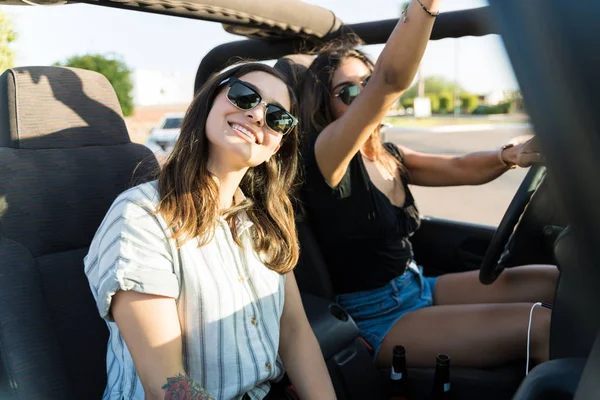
{"type": "Point", "coordinates": [501, 150]}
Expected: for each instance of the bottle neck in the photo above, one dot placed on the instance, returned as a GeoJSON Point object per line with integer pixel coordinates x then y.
{"type": "Point", "coordinates": [398, 368]}
{"type": "Point", "coordinates": [442, 378]}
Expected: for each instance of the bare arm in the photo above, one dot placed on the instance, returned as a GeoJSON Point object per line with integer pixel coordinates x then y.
{"type": "Point", "coordinates": [150, 328]}
{"type": "Point", "coordinates": [471, 169]}
{"type": "Point", "coordinates": [299, 349]}
{"type": "Point", "coordinates": [393, 74]}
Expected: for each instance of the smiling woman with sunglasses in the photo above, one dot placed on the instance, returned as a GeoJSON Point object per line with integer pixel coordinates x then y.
{"type": "Point", "coordinates": [245, 96]}
{"type": "Point", "coordinates": [193, 271]}
{"type": "Point", "coordinates": [359, 202]}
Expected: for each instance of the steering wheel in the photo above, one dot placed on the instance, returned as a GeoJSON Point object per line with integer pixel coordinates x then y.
{"type": "Point", "coordinates": [498, 252]}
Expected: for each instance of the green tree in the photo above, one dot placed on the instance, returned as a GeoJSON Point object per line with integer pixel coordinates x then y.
{"type": "Point", "coordinates": [435, 103]}
{"type": "Point", "coordinates": [7, 36]}
{"type": "Point", "coordinates": [114, 69]}
{"type": "Point", "coordinates": [516, 99]}
{"type": "Point", "coordinates": [446, 102]}
{"type": "Point", "coordinates": [407, 102]}
{"type": "Point", "coordinates": [434, 85]}
{"type": "Point", "coordinates": [469, 102]}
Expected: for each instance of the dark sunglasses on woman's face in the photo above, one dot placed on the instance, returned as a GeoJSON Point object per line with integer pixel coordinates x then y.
{"type": "Point", "coordinates": [351, 91]}
{"type": "Point", "coordinates": [244, 97]}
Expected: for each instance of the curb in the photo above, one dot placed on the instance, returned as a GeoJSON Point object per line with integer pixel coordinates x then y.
{"type": "Point", "coordinates": [459, 128]}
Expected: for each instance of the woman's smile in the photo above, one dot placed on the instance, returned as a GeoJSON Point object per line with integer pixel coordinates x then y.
{"type": "Point", "coordinates": [245, 133]}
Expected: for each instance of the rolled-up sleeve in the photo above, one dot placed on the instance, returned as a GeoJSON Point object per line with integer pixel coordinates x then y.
{"type": "Point", "coordinates": [130, 251]}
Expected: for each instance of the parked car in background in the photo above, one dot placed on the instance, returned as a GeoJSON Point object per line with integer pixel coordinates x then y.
{"type": "Point", "coordinates": [163, 137]}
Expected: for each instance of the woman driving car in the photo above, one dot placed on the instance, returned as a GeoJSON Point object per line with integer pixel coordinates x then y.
{"type": "Point", "coordinates": [357, 189]}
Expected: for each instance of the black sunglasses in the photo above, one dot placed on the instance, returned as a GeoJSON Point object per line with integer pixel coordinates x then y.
{"type": "Point", "coordinates": [244, 97]}
{"type": "Point", "coordinates": [351, 91]}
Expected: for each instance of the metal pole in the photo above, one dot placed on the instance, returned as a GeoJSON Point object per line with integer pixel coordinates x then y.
{"type": "Point", "coordinates": [421, 82]}
{"type": "Point", "coordinates": [456, 74]}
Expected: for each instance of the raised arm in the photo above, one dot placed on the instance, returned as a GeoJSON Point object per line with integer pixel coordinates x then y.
{"type": "Point", "coordinates": [150, 327]}
{"type": "Point", "coordinates": [393, 74]}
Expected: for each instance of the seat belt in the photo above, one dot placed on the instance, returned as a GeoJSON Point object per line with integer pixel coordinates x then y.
{"type": "Point", "coordinates": [589, 385]}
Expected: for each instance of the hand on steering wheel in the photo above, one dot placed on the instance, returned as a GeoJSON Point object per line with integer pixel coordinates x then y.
{"type": "Point", "coordinates": [524, 153]}
{"type": "Point", "coordinates": [499, 249]}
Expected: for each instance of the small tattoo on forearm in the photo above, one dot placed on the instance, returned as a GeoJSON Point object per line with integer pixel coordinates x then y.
{"type": "Point", "coordinates": [182, 387]}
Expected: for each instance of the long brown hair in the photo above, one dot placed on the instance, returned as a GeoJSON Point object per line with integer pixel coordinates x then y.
{"type": "Point", "coordinates": [316, 112]}
{"type": "Point", "coordinates": [189, 192]}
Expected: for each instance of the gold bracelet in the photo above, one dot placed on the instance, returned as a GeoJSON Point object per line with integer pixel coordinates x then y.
{"type": "Point", "coordinates": [427, 10]}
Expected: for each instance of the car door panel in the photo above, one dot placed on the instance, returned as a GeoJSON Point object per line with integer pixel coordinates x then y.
{"type": "Point", "coordinates": [442, 246]}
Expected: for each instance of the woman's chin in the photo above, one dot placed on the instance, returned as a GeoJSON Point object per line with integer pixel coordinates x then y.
{"type": "Point", "coordinates": [241, 156]}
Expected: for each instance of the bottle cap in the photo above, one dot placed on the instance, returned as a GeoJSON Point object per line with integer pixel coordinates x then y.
{"type": "Point", "coordinates": [442, 359]}
{"type": "Point", "coordinates": [399, 351]}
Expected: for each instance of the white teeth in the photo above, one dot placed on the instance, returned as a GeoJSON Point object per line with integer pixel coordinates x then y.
{"type": "Point", "coordinates": [244, 131]}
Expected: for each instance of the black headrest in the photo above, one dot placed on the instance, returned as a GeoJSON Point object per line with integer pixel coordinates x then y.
{"type": "Point", "coordinates": [294, 67]}
{"type": "Point", "coordinates": [56, 107]}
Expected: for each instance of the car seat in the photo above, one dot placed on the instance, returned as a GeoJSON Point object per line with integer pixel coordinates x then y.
{"type": "Point", "coordinates": [65, 155]}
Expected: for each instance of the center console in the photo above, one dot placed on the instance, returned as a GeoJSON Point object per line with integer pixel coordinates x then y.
{"type": "Point", "coordinates": [352, 370]}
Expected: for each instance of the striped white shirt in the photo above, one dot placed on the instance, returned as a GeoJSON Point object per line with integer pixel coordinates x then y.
{"type": "Point", "coordinates": [229, 303]}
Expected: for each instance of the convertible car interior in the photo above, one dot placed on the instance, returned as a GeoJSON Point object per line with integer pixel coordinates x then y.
{"type": "Point", "coordinates": [65, 154]}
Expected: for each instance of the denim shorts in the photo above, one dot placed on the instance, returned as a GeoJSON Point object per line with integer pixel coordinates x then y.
{"type": "Point", "coordinates": [376, 311]}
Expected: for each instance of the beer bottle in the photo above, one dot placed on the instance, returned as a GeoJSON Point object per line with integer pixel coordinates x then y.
{"type": "Point", "coordinates": [399, 375]}
{"type": "Point", "coordinates": [441, 380]}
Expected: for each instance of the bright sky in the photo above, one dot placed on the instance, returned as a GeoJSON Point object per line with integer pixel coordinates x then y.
{"type": "Point", "coordinates": [157, 42]}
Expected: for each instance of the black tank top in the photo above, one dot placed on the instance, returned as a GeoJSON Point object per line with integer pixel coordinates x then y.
{"type": "Point", "coordinates": [363, 236]}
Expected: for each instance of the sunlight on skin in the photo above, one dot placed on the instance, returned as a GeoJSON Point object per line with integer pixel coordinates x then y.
{"type": "Point", "coordinates": [167, 339]}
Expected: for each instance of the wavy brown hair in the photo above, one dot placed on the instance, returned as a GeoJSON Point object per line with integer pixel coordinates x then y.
{"type": "Point", "coordinates": [189, 192]}
{"type": "Point", "coordinates": [316, 95]}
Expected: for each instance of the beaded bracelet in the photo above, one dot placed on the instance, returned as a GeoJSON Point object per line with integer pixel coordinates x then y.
{"type": "Point", "coordinates": [427, 10]}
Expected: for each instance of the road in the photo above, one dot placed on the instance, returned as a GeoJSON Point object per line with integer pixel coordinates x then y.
{"type": "Point", "coordinates": [483, 204]}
